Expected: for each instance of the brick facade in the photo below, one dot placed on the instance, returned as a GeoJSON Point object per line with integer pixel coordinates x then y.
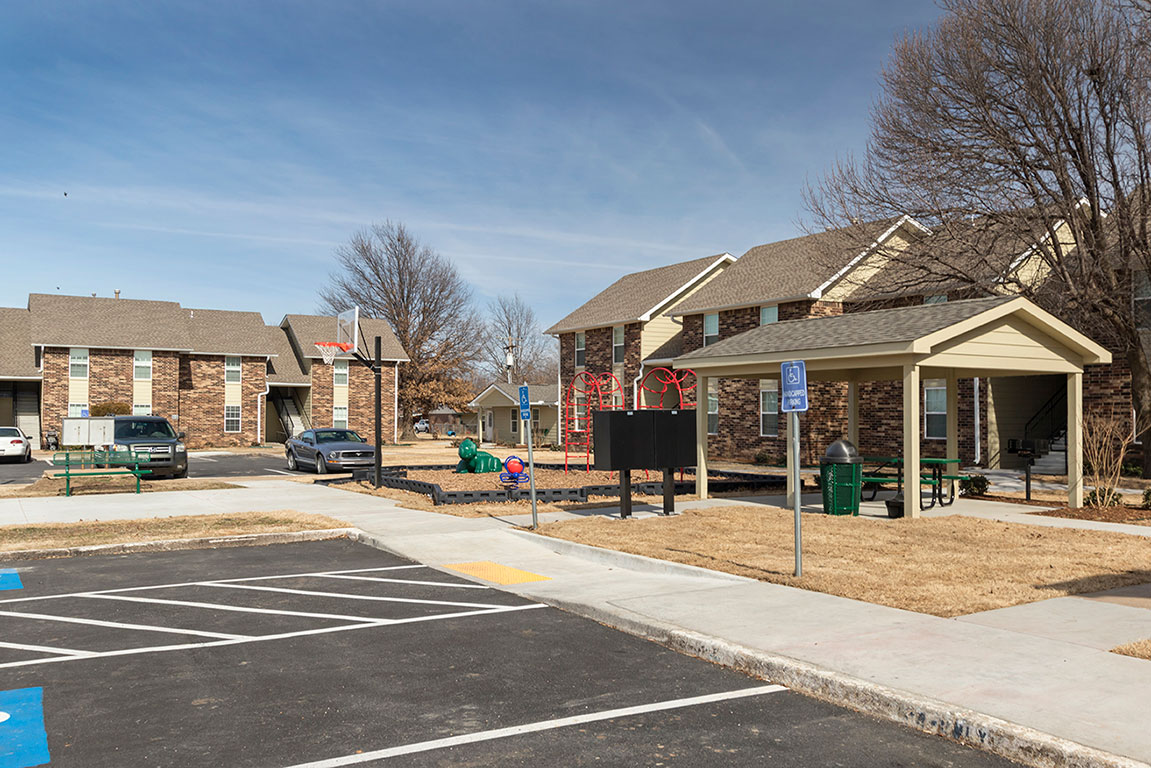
{"type": "Point", "coordinates": [361, 398]}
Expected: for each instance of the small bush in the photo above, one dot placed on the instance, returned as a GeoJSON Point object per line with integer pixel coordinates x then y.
{"type": "Point", "coordinates": [974, 485]}
{"type": "Point", "coordinates": [1103, 497]}
{"type": "Point", "coordinates": [769, 459]}
{"type": "Point", "coordinates": [1147, 499]}
{"type": "Point", "coordinates": [111, 409]}
{"type": "Point", "coordinates": [1131, 469]}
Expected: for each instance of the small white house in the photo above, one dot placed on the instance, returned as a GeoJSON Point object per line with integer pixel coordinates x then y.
{"type": "Point", "coordinates": [497, 408]}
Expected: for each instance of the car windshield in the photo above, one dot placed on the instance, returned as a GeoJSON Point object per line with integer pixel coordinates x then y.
{"type": "Point", "coordinates": [9, 432]}
{"type": "Point", "coordinates": [338, 436]}
{"type": "Point", "coordinates": [146, 429]}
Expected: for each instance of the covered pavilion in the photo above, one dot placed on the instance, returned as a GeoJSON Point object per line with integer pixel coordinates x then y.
{"type": "Point", "coordinates": [998, 336]}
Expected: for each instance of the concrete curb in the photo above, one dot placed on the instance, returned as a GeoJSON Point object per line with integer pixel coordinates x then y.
{"type": "Point", "coordinates": [616, 559]}
{"type": "Point", "coordinates": [974, 729]}
{"type": "Point", "coordinates": [170, 545]}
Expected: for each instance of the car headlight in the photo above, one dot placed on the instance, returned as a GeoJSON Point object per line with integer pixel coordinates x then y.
{"type": "Point", "coordinates": [181, 448]}
{"type": "Point", "coordinates": [118, 447]}
{"type": "Point", "coordinates": [334, 455]}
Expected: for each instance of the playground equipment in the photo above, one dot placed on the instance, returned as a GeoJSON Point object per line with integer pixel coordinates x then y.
{"type": "Point", "coordinates": [514, 472]}
{"type": "Point", "coordinates": [670, 385]}
{"type": "Point", "coordinates": [474, 461]}
{"type": "Point", "coordinates": [587, 393]}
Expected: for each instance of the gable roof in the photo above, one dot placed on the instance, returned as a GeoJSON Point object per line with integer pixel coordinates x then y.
{"type": "Point", "coordinates": [17, 355]}
{"type": "Point", "coordinates": [799, 268]}
{"type": "Point", "coordinates": [87, 321]}
{"type": "Point", "coordinates": [308, 329]}
{"type": "Point", "coordinates": [638, 296]}
{"type": "Point", "coordinates": [224, 332]}
{"type": "Point", "coordinates": [538, 394]}
{"type": "Point", "coordinates": [284, 367]}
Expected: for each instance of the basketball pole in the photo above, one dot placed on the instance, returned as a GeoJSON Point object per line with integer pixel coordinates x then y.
{"type": "Point", "coordinates": [376, 370]}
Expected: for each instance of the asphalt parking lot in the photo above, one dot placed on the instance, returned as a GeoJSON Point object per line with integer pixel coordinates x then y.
{"type": "Point", "coordinates": [331, 654]}
{"type": "Point", "coordinates": [204, 464]}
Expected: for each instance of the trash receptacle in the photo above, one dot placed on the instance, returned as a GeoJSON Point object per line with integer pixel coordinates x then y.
{"type": "Point", "coordinates": [840, 473]}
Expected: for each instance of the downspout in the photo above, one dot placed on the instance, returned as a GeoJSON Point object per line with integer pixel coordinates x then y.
{"type": "Point", "coordinates": [260, 403]}
{"type": "Point", "coordinates": [396, 404]}
{"type": "Point", "coordinates": [978, 444]}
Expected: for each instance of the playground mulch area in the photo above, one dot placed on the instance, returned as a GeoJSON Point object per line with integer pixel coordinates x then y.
{"type": "Point", "coordinates": [545, 478]}
{"type": "Point", "coordinates": [14, 538]}
{"type": "Point", "coordinates": [945, 566]}
{"type": "Point", "coordinates": [50, 486]}
{"type": "Point", "coordinates": [1119, 514]}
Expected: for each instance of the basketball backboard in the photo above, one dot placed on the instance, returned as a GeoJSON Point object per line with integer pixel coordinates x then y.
{"type": "Point", "coordinates": [348, 328]}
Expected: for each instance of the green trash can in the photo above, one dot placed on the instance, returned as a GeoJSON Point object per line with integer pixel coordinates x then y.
{"type": "Point", "coordinates": [840, 477]}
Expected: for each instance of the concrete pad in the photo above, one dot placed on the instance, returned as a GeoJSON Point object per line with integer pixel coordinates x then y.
{"type": "Point", "coordinates": [1093, 623]}
{"type": "Point", "coordinates": [1135, 596]}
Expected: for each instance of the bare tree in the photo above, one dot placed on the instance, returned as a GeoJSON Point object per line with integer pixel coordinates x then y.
{"type": "Point", "coordinates": [1017, 132]}
{"type": "Point", "coordinates": [389, 274]}
{"type": "Point", "coordinates": [1106, 438]}
{"type": "Point", "coordinates": [511, 323]}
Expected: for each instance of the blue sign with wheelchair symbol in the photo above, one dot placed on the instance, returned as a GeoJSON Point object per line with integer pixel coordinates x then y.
{"type": "Point", "coordinates": [793, 387]}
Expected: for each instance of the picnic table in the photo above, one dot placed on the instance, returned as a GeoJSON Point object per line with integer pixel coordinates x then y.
{"type": "Point", "coordinates": [889, 469]}
{"type": "Point", "coordinates": [99, 462]}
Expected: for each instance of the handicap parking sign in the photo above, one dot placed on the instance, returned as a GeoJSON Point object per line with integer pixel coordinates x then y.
{"type": "Point", "coordinates": [525, 404]}
{"type": "Point", "coordinates": [23, 740]}
{"type": "Point", "coordinates": [793, 386]}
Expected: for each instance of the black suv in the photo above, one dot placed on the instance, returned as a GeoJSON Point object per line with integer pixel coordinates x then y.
{"type": "Point", "coordinates": [153, 435]}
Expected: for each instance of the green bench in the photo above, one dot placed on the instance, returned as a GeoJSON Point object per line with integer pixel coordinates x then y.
{"type": "Point", "coordinates": [99, 463]}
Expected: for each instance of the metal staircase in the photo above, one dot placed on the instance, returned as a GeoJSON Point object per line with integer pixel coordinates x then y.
{"type": "Point", "coordinates": [1046, 434]}
{"type": "Point", "coordinates": [292, 420]}
{"type": "Point", "coordinates": [28, 414]}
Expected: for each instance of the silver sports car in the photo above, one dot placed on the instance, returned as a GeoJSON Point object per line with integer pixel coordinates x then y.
{"type": "Point", "coordinates": [329, 450]}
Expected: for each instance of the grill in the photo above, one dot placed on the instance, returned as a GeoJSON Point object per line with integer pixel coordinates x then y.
{"type": "Point", "coordinates": [155, 450]}
{"type": "Point", "coordinates": [355, 454]}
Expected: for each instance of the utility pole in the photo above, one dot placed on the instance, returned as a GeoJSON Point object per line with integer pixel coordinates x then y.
{"type": "Point", "coordinates": [510, 357]}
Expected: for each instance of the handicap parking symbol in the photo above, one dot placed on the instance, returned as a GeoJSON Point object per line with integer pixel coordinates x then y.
{"type": "Point", "coordinates": [23, 738]}
{"type": "Point", "coordinates": [10, 579]}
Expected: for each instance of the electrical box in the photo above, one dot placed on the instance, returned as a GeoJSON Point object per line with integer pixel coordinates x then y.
{"type": "Point", "coordinates": [88, 431]}
{"type": "Point", "coordinates": [643, 439]}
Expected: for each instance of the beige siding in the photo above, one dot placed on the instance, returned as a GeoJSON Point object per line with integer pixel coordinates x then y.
{"type": "Point", "coordinates": [141, 393]}
{"type": "Point", "coordinates": [655, 333]}
{"type": "Point", "coordinates": [1009, 340]}
{"type": "Point", "coordinates": [866, 269]}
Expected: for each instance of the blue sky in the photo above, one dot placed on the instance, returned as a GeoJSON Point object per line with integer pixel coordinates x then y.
{"type": "Point", "coordinates": [215, 153]}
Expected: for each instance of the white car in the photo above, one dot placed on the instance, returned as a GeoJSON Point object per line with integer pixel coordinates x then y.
{"type": "Point", "coordinates": [14, 444]}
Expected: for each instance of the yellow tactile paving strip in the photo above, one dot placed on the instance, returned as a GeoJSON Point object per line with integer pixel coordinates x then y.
{"type": "Point", "coordinates": [496, 573]}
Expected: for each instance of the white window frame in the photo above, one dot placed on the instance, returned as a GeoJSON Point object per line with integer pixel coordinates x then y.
{"type": "Point", "coordinates": [769, 314]}
{"type": "Point", "coordinates": [141, 410]}
{"type": "Point", "coordinates": [141, 361]}
{"type": "Point", "coordinates": [579, 415]}
{"type": "Point", "coordinates": [714, 318]}
{"type": "Point", "coordinates": [339, 368]}
{"type": "Point", "coordinates": [78, 356]}
{"type": "Point", "coordinates": [236, 368]}
{"type": "Point", "coordinates": [76, 410]}
{"type": "Point", "coordinates": [535, 419]}
{"type": "Point", "coordinates": [515, 421]}
{"type": "Point", "coordinates": [238, 418]}
{"type": "Point", "coordinates": [768, 387]}
{"type": "Point", "coordinates": [928, 386]}
{"type": "Point", "coordinates": [712, 411]}
{"type": "Point", "coordinates": [580, 349]}
{"type": "Point", "coordinates": [1141, 296]}
{"type": "Point", "coordinates": [618, 355]}
{"type": "Point", "coordinates": [336, 420]}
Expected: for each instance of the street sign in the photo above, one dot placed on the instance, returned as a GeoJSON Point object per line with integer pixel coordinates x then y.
{"type": "Point", "coordinates": [793, 387]}
{"type": "Point", "coordinates": [526, 416]}
{"type": "Point", "coordinates": [525, 404]}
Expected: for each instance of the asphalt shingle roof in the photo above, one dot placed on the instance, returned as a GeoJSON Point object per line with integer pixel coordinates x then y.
{"type": "Point", "coordinates": [224, 332]}
{"type": "Point", "coordinates": [308, 329]}
{"type": "Point", "coordinates": [877, 327]}
{"type": "Point", "coordinates": [86, 321]}
{"type": "Point", "coordinates": [537, 393]}
{"type": "Point", "coordinates": [284, 368]}
{"type": "Point", "coordinates": [17, 355]}
{"type": "Point", "coordinates": [632, 296]}
{"type": "Point", "coordinates": [784, 270]}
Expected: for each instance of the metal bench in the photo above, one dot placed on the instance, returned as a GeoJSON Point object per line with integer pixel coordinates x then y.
{"type": "Point", "coordinates": [99, 463]}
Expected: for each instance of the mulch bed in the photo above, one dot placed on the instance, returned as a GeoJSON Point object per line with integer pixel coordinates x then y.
{"type": "Point", "coordinates": [1128, 515]}
{"type": "Point", "coordinates": [545, 478]}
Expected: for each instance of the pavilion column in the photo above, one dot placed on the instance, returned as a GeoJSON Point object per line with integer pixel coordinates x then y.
{"type": "Point", "coordinates": [853, 412]}
{"type": "Point", "coordinates": [952, 429]}
{"type": "Point", "coordinates": [911, 395]}
{"type": "Point", "coordinates": [1075, 439]}
{"type": "Point", "coordinates": [701, 400]}
{"type": "Point", "coordinates": [479, 426]}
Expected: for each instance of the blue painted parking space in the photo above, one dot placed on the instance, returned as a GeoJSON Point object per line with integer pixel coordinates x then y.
{"type": "Point", "coordinates": [23, 739]}
{"type": "Point", "coordinates": [10, 579]}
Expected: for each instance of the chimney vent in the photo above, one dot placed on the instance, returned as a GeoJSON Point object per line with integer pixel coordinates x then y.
{"type": "Point", "coordinates": [117, 293]}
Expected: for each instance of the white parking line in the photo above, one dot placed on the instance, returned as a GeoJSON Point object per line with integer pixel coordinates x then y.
{"type": "Point", "coordinates": [236, 608]}
{"type": "Point", "coordinates": [281, 472]}
{"type": "Point", "coordinates": [44, 649]}
{"type": "Point", "coordinates": [120, 625]}
{"type": "Point", "coordinates": [342, 596]}
{"type": "Point", "coordinates": [268, 638]}
{"type": "Point", "coordinates": [403, 581]}
{"type": "Point", "coordinates": [543, 725]}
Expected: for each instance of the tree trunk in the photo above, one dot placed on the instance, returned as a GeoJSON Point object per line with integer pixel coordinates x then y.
{"type": "Point", "coordinates": [1141, 401]}
{"type": "Point", "coordinates": [407, 427]}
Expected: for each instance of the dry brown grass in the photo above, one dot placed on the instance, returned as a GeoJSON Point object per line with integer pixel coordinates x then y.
{"type": "Point", "coordinates": [50, 486]}
{"type": "Point", "coordinates": [1140, 649]}
{"type": "Point", "coordinates": [64, 535]}
{"type": "Point", "coordinates": [946, 566]}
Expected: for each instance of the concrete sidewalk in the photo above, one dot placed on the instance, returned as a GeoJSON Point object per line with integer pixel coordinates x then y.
{"type": "Point", "coordinates": [1050, 697]}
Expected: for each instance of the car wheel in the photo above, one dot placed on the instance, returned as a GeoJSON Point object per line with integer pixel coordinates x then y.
{"type": "Point", "coordinates": [321, 464]}
{"type": "Point", "coordinates": [28, 457]}
{"type": "Point", "coordinates": [182, 475]}
{"type": "Point", "coordinates": [292, 461]}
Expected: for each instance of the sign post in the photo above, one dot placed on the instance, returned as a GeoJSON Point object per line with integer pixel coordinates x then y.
{"type": "Point", "coordinates": [526, 418]}
{"type": "Point", "coordinates": [792, 401]}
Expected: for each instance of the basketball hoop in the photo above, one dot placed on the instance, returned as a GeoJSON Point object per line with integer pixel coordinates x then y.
{"type": "Point", "coordinates": [329, 350]}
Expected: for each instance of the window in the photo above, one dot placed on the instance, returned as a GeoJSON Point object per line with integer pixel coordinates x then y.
{"type": "Point", "coordinates": [710, 329]}
{"type": "Point", "coordinates": [515, 421]}
{"type": "Point", "coordinates": [769, 408]}
{"type": "Point", "coordinates": [617, 345]}
{"type": "Point", "coordinates": [940, 299]}
{"type": "Point", "coordinates": [77, 409]}
{"type": "Point", "coordinates": [141, 410]}
{"type": "Point", "coordinates": [340, 416]}
{"type": "Point", "coordinates": [579, 415]}
{"type": "Point", "coordinates": [78, 363]}
{"type": "Point", "coordinates": [935, 409]}
{"type": "Point", "coordinates": [340, 372]}
{"type": "Point", "coordinates": [231, 418]}
{"type": "Point", "coordinates": [142, 365]}
{"type": "Point", "coordinates": [535, 419]}
{"type": "Point", "coordinates": [768, 315]}
{"type": "Point", "coordinates": [713, 414]}
{"type": "Point", "coordinates": [232, 369]}
{"type": "Point", "coordinates": [580, 346]}
{"type": "Point", "coordinates": [617, 399]}
{"type": "Point", "coordinates": [1141, 295]}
